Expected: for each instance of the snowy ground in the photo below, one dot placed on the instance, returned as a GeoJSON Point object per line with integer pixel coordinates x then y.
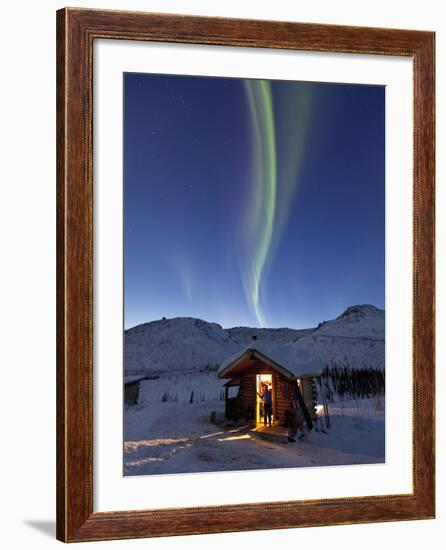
{"type": "Point", "coordinates": [165, 438]}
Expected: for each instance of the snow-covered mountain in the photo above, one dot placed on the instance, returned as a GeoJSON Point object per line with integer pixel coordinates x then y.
{"type": "Point", "coordinates": [279, 336]}
{"type": "Point", "coordinates": [182, 344]}
{"type": "Point", "coordinates": [187, 346]}
{"type": "Point", "coordinates": [354, 339]}
{"type": "Point", "coordinates": [364, 321]}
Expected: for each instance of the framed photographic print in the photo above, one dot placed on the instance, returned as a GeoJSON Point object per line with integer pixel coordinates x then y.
{"type": "Point", "coordinates": [245, 275]}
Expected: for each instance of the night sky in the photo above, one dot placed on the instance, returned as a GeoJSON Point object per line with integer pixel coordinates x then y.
{"type": "Point", "coordinates": [251, 202]}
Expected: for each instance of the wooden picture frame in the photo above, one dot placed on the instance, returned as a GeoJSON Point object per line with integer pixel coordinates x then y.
{"type": "Point", "coordinates": [76, 31]}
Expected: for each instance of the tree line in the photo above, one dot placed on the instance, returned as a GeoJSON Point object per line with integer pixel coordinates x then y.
{"type": "Point", "coordinates": [351, 382]}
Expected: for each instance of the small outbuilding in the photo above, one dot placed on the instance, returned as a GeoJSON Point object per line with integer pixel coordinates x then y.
{"type": "Point", "coordinates": [287, 371]}
{"type": "Point", "coordinates": [132, 384]}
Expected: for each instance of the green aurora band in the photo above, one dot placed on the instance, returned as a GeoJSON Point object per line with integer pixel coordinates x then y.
{"type": "Point", "coordinates": [277, 160]}
{"type": "Point", "coordinates": [261, 217]}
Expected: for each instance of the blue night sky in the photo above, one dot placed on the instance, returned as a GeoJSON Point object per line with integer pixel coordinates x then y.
{"type": "Point", "coordinates": [251, 202]}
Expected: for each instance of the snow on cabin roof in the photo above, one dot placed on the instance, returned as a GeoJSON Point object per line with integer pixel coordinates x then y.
{"type": "Point", "coordinates": [133, 378]}
{"type": "Point", "coordinates": [294, 361]}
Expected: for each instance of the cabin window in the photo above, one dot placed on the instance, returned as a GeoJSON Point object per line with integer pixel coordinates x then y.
{"type": "Point", "coordinates": [233, 391]}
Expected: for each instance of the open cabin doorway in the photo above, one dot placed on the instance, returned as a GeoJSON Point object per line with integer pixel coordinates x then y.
{"type": "Point", "coordinates": [263, 380]}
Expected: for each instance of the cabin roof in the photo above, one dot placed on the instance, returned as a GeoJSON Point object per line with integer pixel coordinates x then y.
{"type": "Point", "coordinates": [232, 382]}
{"type": "Point", "coordinates": [133, 378]}
{"type": "Point", "coordinates": [289, 360]}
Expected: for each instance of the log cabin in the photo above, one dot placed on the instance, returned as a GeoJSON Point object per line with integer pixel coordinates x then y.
{"type": "Point", "coordinates": [290, 373]}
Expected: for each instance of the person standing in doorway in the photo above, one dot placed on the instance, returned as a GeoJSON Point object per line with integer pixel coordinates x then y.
{"type": "Point", "coordinates": [267, 405]}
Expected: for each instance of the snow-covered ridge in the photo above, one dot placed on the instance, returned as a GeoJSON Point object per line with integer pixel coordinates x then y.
{"type": "Point", "coordinates": [364, 321]}
{"type": "Point", "coordinates": [355, 339]}
{"type": "Point", "coordinates": [180, 344]}
{"type": "Point", "coordinates": [190, 346]}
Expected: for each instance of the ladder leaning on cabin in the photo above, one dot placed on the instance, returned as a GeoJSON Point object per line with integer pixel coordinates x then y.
{"type": "Point", "coordinates": [299, 400]}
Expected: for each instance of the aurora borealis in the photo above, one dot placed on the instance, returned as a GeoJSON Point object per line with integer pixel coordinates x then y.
{"type": "Point", "coordinates": [251, 202]}
{"type": "Point", "coordinates": [270, 196]}
{"type": "Point", "coordinates": [264, 190]}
